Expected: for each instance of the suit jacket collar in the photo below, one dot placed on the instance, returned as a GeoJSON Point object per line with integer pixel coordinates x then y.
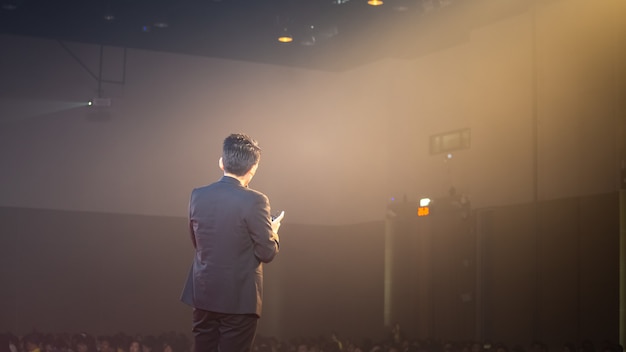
{"type": "Point", "coordinates": [231, 180]}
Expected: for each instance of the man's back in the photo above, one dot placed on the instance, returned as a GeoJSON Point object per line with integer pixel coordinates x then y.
{"type": "Point", "coordinates": [232, 231]}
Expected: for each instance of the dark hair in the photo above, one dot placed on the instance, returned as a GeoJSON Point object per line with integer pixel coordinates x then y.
{"type": "Point", "coordinates": [240, 153]}
{"type": "Point", "coordinates": [84, 338]}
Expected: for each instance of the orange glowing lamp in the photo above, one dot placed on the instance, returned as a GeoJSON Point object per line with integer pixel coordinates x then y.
{"type": "Point", "coordinates": [424, 207]}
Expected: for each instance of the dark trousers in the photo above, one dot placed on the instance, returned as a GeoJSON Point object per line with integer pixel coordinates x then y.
{"type": "Point", "coordinates": [219, 332]}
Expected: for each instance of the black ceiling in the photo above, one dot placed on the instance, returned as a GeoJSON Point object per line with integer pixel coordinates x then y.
{"type": "Point", "coordinates": [347, 33]}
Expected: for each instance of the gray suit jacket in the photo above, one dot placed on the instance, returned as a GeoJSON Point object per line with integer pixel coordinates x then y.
{"type": "Point", "coordinates": [232, 234]}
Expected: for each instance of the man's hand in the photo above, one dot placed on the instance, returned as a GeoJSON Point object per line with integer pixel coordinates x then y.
{"type": "Point", "coordinates": [276, 222]}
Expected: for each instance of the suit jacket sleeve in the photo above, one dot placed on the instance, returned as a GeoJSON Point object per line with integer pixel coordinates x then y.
{"type": "Point", "coordinates": [265, 241]}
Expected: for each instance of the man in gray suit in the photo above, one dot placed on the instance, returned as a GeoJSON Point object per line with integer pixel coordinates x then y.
{"type": "Point", "coordinates": [233, 233]}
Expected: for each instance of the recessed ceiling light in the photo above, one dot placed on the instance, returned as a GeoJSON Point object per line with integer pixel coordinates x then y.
{"type": "Point", "coordinates": [285, 39]}
{"type": "Point", "coordinates": [285, 36]}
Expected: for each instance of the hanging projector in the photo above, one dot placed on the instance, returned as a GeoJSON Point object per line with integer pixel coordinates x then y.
{"type": "Point", "coordinates": [100, 102]}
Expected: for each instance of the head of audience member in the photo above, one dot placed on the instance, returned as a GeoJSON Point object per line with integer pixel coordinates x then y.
{"type": "Point", "coordinates": [84, 342]}
{"type": "Point", "coordinates": [134, 345]}
{"type": "Point", "coordinates": [106, 344]}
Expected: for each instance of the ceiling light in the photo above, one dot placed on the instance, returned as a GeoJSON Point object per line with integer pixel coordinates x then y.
{"type": "Point", "coordinates": [108, 13]}
{"type": "Point", "coordinates": [285, 39]}
{"type": "Point", "coordinates": [160, 20]}
{"type": "Point", "coordinates": [375, 2]}
{"type": "Point", "coordinates": [281, 29]}
{"type": "Point", "coordinates": [285, 36]}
